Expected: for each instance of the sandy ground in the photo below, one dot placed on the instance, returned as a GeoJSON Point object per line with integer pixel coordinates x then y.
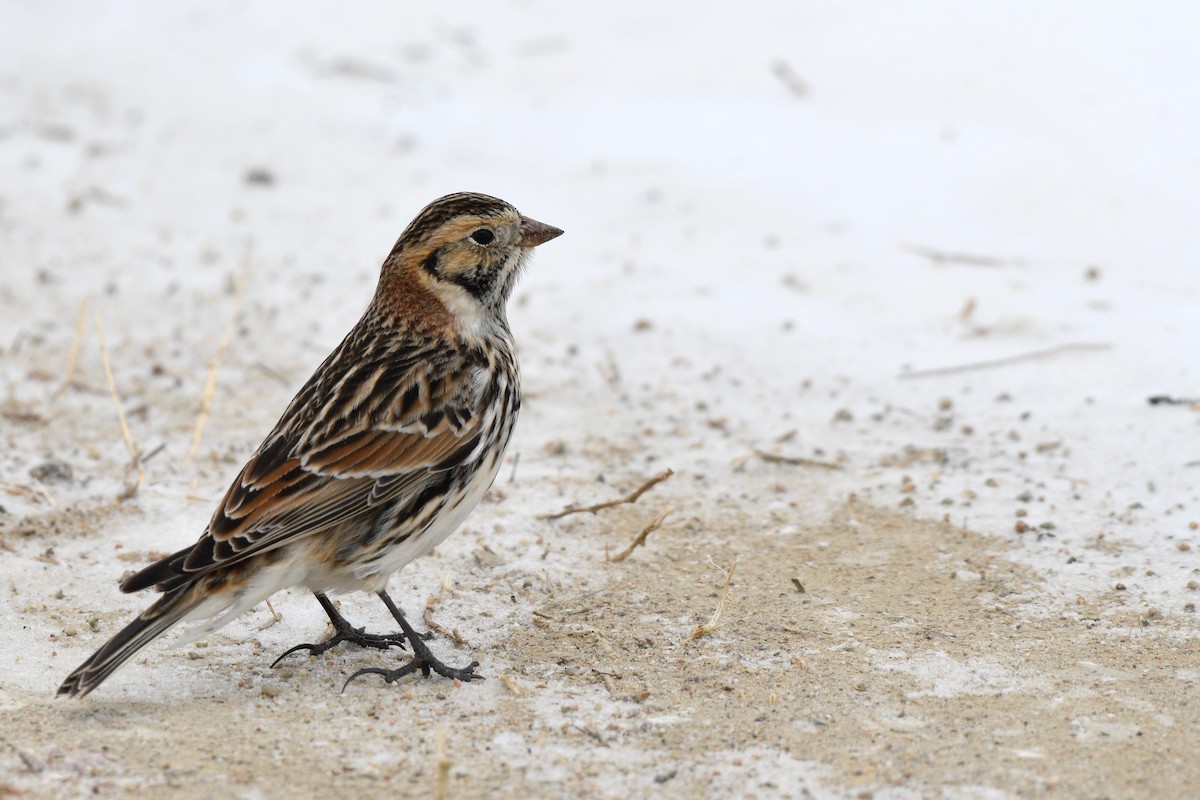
{"type": "Point", "coordinates": [960, 583]}
{"type": "Point", "coordinates": [911, 661]}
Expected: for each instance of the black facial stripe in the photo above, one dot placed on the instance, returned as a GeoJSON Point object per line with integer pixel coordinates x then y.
{"type": "Point", "coordinates": [478, 280]}
{"type": "Point", "coordinates": [430, 264]}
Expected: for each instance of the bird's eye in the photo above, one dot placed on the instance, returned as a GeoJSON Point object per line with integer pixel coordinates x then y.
{"type": "Point", "coordinates": [483, 236]}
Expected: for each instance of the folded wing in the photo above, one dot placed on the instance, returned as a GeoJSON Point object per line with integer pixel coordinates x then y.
{"type": "Point", "coordinates": [377, 434]}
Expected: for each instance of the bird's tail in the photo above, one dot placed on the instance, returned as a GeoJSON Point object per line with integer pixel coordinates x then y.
{"type": "Point", "coordinates": [165, 612]}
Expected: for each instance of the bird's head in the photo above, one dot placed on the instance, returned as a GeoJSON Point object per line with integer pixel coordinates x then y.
{"type": "Point", "coordinates": [466, 250]}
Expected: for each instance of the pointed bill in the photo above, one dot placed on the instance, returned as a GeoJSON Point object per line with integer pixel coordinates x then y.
{"type": "Point", "coordinates": [534, 233]}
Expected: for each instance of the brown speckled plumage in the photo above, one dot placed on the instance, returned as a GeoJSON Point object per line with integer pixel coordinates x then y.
{"type": "Point", "coordinates": [380, 455]}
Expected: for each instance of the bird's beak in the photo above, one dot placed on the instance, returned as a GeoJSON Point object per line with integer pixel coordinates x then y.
{"type": "Point", "coordinates": [534, 233]}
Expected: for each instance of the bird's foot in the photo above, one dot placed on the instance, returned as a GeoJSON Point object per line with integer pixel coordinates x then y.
{"type": "Point", "coordinates": [423, 661]}
{"type": "Point", "coordinates": [346, 633]}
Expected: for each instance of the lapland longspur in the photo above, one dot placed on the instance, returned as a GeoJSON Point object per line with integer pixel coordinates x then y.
{"type": "Point", "coordinates": [382, 454]}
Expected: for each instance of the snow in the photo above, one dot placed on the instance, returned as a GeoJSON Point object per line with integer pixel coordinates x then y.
{"type": "Point", "coordinates": [750, 197]}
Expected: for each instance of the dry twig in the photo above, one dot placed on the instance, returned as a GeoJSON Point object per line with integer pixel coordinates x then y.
{"type": "Point", "coordinates": [607, 679]}
{"type": "Point", "coordinates": [789, 78]}
{"type": "Point", "coordinates": [945, 257]}
{"type": "Point", "coordinates": [640, 540]}
{"type": "Point", "coordinates": [444, 763]}
{"type": "Point", "coordinates": [76, 344]}
{"type": "Point", "coordinates": [17, 490]}
{"type": "Point", "coordinates": [511, 684]}
{"type": "Point", "coordinates": [715, 621]}
{"type": "Point", "coordinates": [629, 498]}
{"type": "Point", "coordinates": [1004, 362]}
{"type": "Point", "coordinates": [610, 370]}
{"type": "Point", "coordinates": [1167, 400]}
{"type": "Point", "coordinates": [14, 413]}
{"type": "Point", "coordinates": [276, 617]}
{"type": "Point", "coordinates": [272, 374]}
{"type": "Point", "coordinates": [775, 458]}
{"type": "Point", "coordinates": [135, 462]}
{"type": "Point", "coordinates": [42, 490]}
{"type": "Point", "coordinates": [210, 383]}
{"type": "Point", "coordinates": [592, 732]}
{"type": "Point", "coordinates": [431, 603]}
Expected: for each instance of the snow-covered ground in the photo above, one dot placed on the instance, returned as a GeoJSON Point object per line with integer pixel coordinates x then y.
{"type": "Point", "coordinates": [780, 219]}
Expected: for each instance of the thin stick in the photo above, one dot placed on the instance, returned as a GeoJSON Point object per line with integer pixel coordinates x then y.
{"type": "Point", "coordinates": [275, 617]}
{"type": "Point", "coordinates": [17, 490]}
{"type": "Point", "coordinates": [76, 345]}
{"type": "Point", "coordinates": [945, 257]}
{"type": "Point", "coordinates": [1033, 355]}
{"type": "Point", "coordinates": [795, 461]}
{"type": "Point", "coordinates": [789, 78]}
{"type": "Point", "coordinates": [41, 487]}
{"type": "Point", "coordinates": [715, 622]}
{"type": "Point", "coordinates": [210, 384]}
{"type": "Point", "coordinates": [134, 461]}
{"type": "Point", "coordinates": [444, 763]}
{"type": "Point", "coordinates": [16, 415]}
{"type": "Point", "coordinates": [592, 732]}
{"type": "Point", "coordinates": [1166, 400]}
{"type": "Point", "coordinates": [272, 374]}
{"type": "Point", "coordinates": [654, 525]}
{"type": "Point", "coordinates": [629, 498]}
{"type": "Point", "coordinates": [112, 391]}
{"type": "Point", "coordinates": [431, 603]}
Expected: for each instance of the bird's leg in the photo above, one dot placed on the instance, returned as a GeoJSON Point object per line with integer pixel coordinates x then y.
{"type": "Point", "coordinates": [422, 660]}
{"type": "Point", "coordinates": [343, 631]}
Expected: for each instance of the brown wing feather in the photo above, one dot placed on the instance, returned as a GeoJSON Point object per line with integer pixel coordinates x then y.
{"type": "Point", "coordinates": [337, 460]}
{"type": "Point", "coordinates": [378, 453]}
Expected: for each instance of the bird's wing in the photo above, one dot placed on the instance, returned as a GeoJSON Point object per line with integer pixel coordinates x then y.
{"type": "Point", "coordinates": [359, 443]}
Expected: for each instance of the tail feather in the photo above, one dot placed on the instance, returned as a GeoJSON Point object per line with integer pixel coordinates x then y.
{"type": "Point", "coordinates": [151, 623]}
{"type": "Point", "coordinates": [165, 574]}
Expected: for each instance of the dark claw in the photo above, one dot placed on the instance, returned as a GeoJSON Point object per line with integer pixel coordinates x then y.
{"type": "Point", "coordinates": [422, 659]}
{"type": "Point", "coordinates": [425, 663]}
{"type": "Point", "coordinates": [378, 641]}
{"type": "Point", "coordinates": [310, 647]}
{"type": "Point", "coordinates": [466, 674]}
{"type": "Point", "coordinates": [389, 675]}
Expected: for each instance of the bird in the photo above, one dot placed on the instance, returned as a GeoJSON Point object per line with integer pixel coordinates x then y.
{"type": "Point", "coordinates": [377, 459]}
